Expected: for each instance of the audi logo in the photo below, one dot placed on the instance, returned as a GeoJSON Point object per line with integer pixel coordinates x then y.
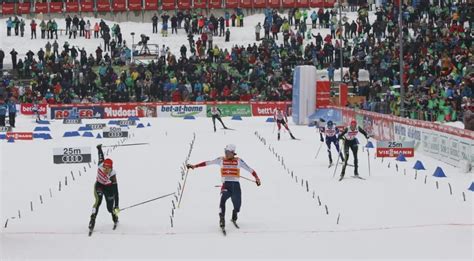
{"type": "Point", "coordinates": [114, 134]}
{"type": "Point", "coordinates": [72, 158]}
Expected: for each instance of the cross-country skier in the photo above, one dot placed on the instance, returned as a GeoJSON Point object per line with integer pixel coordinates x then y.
{"type": "Point", "coordinates": [349, 135]}
{"type": "Point", "coordinates": [331, 133]}
{"type": "Point", "coordinates": [230, 173]}
{"type": "Point", "coordinates": [106, 185]}
{"type": "Point", "coordinates": [216, 114]}
{"type": "Point", "coordinates": [281, 119]}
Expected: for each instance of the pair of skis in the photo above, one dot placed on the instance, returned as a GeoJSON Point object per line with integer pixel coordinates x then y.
{"type": "Point", "coordinates": [224, 232]}
{"type": "Point", "coordinates": [91, 230]}
{"type": "Point", "coordinates": [341, 163]}
{"type": "Point", "coordinates": [356, 177]}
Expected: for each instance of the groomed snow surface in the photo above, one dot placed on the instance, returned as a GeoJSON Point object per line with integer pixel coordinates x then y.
{"type": "Point", "coordinates": [390, 215]}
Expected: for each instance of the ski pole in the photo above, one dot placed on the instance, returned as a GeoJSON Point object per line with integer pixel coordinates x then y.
{"type": "Point", "coordinates": [337, 163]}
{"type": "Point", "coordinates": [123, 145]}
{"type": "Point", "coordinates": [251, 180]}
{"type": "Point", "coordinates": [184, 185]}
{"type": "Point", "coordinates": [167, 195]}
{"type": "Point", "coordinates": [320, 145]}
{"type": "Point", "coordinates": [368, 159]}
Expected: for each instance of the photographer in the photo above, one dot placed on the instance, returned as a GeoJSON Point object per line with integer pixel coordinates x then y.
{"type": "Point", "coordinates": [144, 44]}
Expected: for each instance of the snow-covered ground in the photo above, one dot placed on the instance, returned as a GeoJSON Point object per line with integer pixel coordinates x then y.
{"type": "Point", "coordinates": [390, 215]}
{"type": "Point", "coordinates": [239, 36]}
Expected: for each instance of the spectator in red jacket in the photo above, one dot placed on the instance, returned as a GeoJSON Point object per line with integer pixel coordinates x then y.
{"type": "Point", "coordinates": [33, 29]}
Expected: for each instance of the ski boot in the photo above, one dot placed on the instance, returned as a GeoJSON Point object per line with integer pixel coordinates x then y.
{"type": "Point", "coordinates": [278, 136]}
{"type": "Point", "coordinates": [92, 222]}
{"type": "Point", "coordinates": [221, 221]}
{"type": "Point", "coordinates": [342, 176]}
{"type": "Point", "coordinates": [214, 128]}
{"type": "Point", "coordinates": [234, 219]}
{"type": "Point", "coordinates": [292, 137]}
{"type": "Point", "coordinates": [234, 216]}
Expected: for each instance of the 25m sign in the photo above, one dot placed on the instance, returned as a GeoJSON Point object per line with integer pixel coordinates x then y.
{"type": "Point", "coordinates": [71, 155]}
{"type": "Point", "coordinates": [387, 149]}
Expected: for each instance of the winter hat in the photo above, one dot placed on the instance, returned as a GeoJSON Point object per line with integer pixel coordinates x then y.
{"type": "Point", "coordinates": [230, 147]}
{"type": "Point", "coordinates": [108, 163]}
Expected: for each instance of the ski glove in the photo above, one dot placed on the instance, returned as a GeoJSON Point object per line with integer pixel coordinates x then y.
{"type": "Point", "coordinates": [258, 182]}
{"type": "Point", "coordinates": [190, 166]}
{"type": "Point", "coordinates": [116, 211]}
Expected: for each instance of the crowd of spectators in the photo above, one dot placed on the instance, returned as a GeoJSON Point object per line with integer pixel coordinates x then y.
{"type": "Point", "coordinates": [438, 73]}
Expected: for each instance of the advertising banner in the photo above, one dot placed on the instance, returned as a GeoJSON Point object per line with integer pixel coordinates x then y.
{"type": "Point", "coordinates": [454, 149]}
{"type": "Point", "coordinates": [268, 108]}
{"type": "Point", "coordinates": [72, 155]}
{"type": "Point", "coordinates": [96, 126]}
{"type": "Point", "coordinates": [72, 121]}
{"type": "Point", "coordinates": [72, 6]}
{"type": "Point", "coordinates": [151, 5]}
{"type": "Point", "coordinates": [103, 6]}
{"type": "Point", "coordinates": [443, 146]}
{"type": "Point", "coordinates": [76, 111]}
{"type": "Point", "coordinates": [343, 94]}
{"type": "Point", "coordinates": [425, 141]}
{"type": "Point", "coordinates": [119, 6]}
{"type": "Point", "coordinates": [135, 5]}
{"type": "Point", "coordinates": [20, 135]}
{"type": "Point", "coordinates": [8, 8]}
{"type": "Point", "coordinates": [29, 108]}
{"type": "Point", "coordinates": [181, 110]}
{"type": "Point", "coordinates": [114, 132]}
{"type": "Point", "coordinates": [243, 110]}
{"type": "Point", "coordinates": [167, 5]}
{"type": "Point", "coordinates": [87, 6]}
{"type": "Point", "coordinates": [125, 110]}
{"type": "Point", "coordinates": [323, 94]}
{"type": "Point", "coordinates": [24, 8]}
{"type": "Point", "coordinates": [126, 123]}
{"type": "Point", "coordinates": [41, 8]}
{"type": "Point", "coordinates": [231, 3]}
{"type": "Point", "coordinates": [445, 143]}
{"type": "Point", "coordinates": [55, 7]}
{"type": "Point", "coordinates": [393, 148]}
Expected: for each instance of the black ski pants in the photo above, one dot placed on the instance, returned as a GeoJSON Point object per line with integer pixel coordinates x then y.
{"type": "Point", "coordinates": [111, 197]}
{"type": "Point", "coordinates": [352, 145]}
{"type": "Point", "coordinates": [214, 117]}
